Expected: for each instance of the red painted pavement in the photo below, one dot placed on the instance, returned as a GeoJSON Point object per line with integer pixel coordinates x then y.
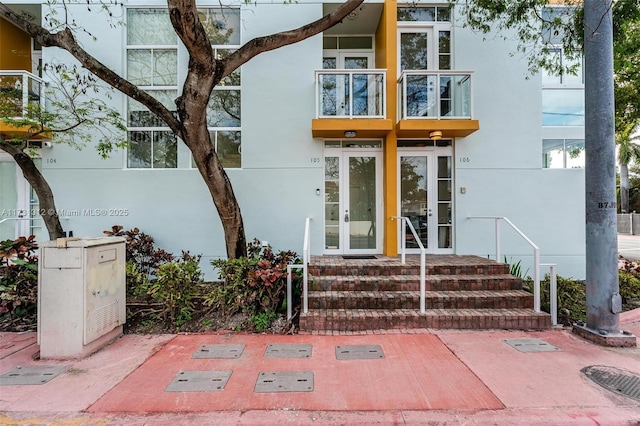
{"type": "Point", "coordinates": [417, 373]}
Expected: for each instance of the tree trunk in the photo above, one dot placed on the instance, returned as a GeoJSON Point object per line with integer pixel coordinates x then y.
{"type": "Point", "coordinates": [39, 184]}
{"type": "Point", "coordinates": [624, 188]}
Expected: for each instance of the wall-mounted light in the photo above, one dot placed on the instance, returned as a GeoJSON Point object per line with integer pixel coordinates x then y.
{"type": "Point", "coordinates": [317, 191]}
{"type": "Point", "coordinates": [350, 134]}
{"type": "Point", "coordinates": [435, 135]}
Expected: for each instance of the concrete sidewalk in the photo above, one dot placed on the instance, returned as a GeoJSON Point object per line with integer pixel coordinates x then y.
{"type": "Point", "coordinates": [421, 377]}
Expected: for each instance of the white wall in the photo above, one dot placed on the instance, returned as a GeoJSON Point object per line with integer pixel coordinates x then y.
{"type": "Point", "coordinates": [499, 166]}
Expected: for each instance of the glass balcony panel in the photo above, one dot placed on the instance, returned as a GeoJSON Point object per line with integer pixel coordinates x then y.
{"type": "Point", "coordinates": [422, 92]}
{"type": "Point", "coordinates": [20, 92]}
{"type": "Point", "coordinates": [351, 93]}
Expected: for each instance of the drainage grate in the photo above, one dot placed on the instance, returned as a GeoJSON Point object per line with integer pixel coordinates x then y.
{"type": "Point", "coordinates": [199, 381]}
{"type": "Point", "coordinates": [275, 350]}
{"type": "Point", "coordinates": [32, 375]}
{"type": "Point", "coordinates": [219, 351]}
{"type": "Point", "coordinates": [359, 352]}
{"type": "Point", "coordinates": [531, 345]}
{"type": "Point", "coordinates": [284, 381]}
{"type": "Point", "coordinates": [615, 379]}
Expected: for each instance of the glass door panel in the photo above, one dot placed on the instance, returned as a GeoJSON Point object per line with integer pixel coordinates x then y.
{"type": "Point", "coordinates": [426, 198]}
{"type": "Point", "coordinates": [353, 202]}
{"type": "Point", "coordinates": [414, 200]}
{"type": "Point", "coordinates": [332, 212]}
{"type": "Point", "coordinates": [362, 202]}
{"type": "Point", "coordinates": [445, 222]}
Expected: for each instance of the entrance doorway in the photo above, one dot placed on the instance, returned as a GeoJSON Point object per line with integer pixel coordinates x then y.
{"type": "Point", "coordinates": [353, 197]}
{"type": "Point", "coordinates": [425, 180]}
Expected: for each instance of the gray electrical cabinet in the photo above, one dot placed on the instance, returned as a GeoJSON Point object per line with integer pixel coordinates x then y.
{"type": "Point", "coordinates": [81, 295]}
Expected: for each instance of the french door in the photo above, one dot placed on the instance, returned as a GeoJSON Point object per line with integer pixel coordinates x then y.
{"type": "Point", "coordinates": [347, 94]}
{"type": "Point", "coordinates": [353, 201]}
{"type": "Point", "coordinates": [425, 197]}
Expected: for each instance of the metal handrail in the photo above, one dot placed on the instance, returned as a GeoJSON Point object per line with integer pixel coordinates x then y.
{"type": "Point", "coordinates": [536, 254]}
{"type": "Point", "coordinates": [306, 249]}
{"type": "Point", "coordinates": [553, 292]}
{"type": "Point", "coordinates": [423, 251]}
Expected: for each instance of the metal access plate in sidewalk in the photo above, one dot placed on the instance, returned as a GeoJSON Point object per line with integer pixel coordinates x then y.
{"type": "Point", "coordinates": [284, 381]}
{"type": "Point", "coordinates": [199, 381]}
{"type": "Point", "coordinates": [531, 345]}
{"type": "Point", "coordinates": [359, 352]}
{"type": "Point", "coordinates": [275, 350]}
{"type": "Point", "coordinates": [32, 374]}
{"type": "Point", "coordinates": [615, 379]}
{"type": "Point", "coordinates": [218, 351]}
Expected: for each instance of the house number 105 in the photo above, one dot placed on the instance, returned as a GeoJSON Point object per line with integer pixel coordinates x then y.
{"type": "Point", "coordinates": [465, 160]}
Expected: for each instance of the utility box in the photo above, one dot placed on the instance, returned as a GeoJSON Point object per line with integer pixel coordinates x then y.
{"type": "Point", "coordinates": [81, 295]}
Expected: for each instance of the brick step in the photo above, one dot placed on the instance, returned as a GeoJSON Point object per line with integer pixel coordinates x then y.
{"type": "Point", "coordinates": [378, 268]}
{"type": "Point", "coordinates": [506, 299]}
{"type": "Point", "coordinates": [374, 319]}
{"type": "Point", "coordinates": [412, 283]}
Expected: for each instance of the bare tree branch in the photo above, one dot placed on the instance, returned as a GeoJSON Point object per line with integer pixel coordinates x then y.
{"type": "Point", "coordinates": [65, 40]}
{"type": "Point", "coordinates": [274, 41]}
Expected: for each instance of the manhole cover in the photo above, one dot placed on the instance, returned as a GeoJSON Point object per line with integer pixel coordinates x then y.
{"type": "Point", "coordinates": [615, 379]}
{"type": "Point", "coordinates": [359, 352]}
{"type": "Point", "coordinates": [32, 375]}
{"type": "Point", "coordinates": [199, 381]}
{"type": "Point", "coordinates": [219, 351]}
{"type": "Point", "coordinates": [284, 381]}
{"type": "Point", "coordinates": [275, 350]}
{"type": "Point", "coordinates": [531, 345]}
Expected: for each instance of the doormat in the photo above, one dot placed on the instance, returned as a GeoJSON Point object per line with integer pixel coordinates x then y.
{"type": "Point", "coordinates": [359, 257]}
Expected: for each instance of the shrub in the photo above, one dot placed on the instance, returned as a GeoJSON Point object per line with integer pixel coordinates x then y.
{"type": "Point", "coordinates": [18, 283]}
{"type": "Point", "coordinates": [177, 284]}
{"type": "Point", "coordinates": [255, 284]}
{"type": "Point", "coordinates": [571, 298]}
{"type": "Point", "coordinates": [140, 250]}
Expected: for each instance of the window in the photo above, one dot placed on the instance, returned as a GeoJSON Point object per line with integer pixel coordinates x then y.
{"type": "Point", "coordinates": [152, 64]}
{"type": "Point", "coordinates": [563, 153]}
{"type": "Point", "coordinates": [563, 95]}
{"type": "Point", "coordinates": [563, 91]}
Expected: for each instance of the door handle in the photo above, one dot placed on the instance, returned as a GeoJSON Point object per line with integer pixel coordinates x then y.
{"type": "Point", "coordinates": [346, 216]}
{"type": "Point", "coordinates": [430, 213]}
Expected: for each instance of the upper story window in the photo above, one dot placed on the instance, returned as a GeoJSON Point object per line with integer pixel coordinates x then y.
{"type": "Point", "coordinates": [563, 94]}
{"type": "Point", "coordinates": [425, 38]}
{"type": "Point", "coordinates": [562, 90]}
{"type": "Point", "coordinates": [152, 64]}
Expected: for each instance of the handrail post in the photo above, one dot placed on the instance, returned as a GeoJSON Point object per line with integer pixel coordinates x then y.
{"type": "Point", "coordinates": [289, 301]}
{"type": "Point", "coordinates": [403, 239]}
{"type": "Point", "coordinates": [536, 279]}
{"type": "Point", "coordinates": [553, 294]}
{"type": "Point", "coordinates": [422, 281]}
{"type": "Point", "coordinates": [25, 94]}
{"type": "Point", "coordinates": [497, 239]}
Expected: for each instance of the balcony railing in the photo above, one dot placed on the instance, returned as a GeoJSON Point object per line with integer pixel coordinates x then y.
{"type": "Point", "coordinates": [435, 95]}
{"type": "Point", "coordinates": [20, 91]}
{"type": "Point", "coordinates": [350, 93]}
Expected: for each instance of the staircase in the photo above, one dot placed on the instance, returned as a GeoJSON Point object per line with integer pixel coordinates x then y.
{"type": "Point", "coordinates": [462, 292]}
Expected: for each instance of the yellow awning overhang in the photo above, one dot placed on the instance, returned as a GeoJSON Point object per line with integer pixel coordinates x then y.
{"type": "Point", "coordinates": [364, 127]}
{"type": "Point", "coordinates": [29, 132]}
{"type": "Point", "coordinates": [450, 128]}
